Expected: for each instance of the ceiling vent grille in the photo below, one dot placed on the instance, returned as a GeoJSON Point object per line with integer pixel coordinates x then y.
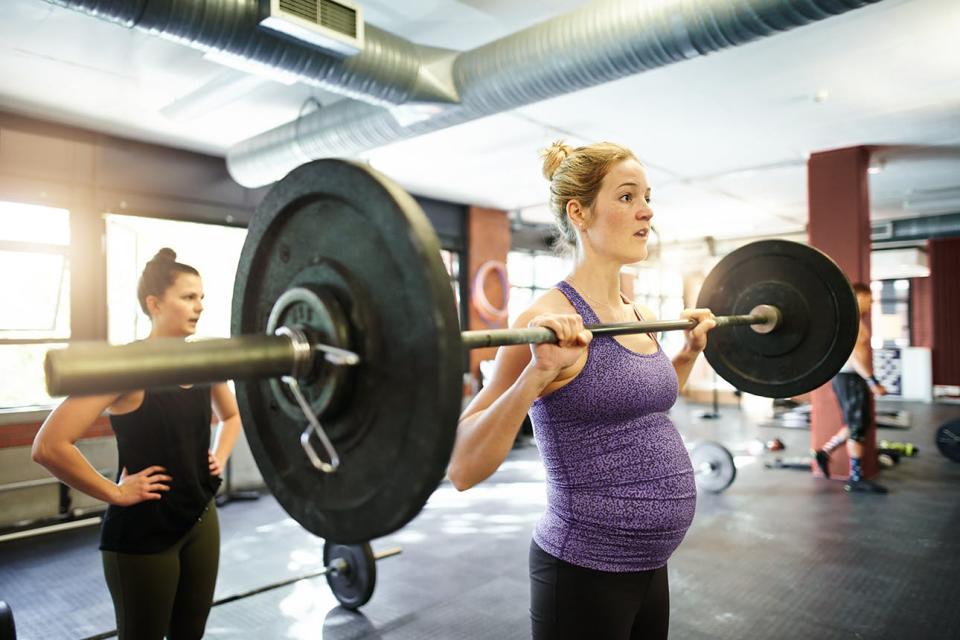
{"type": "Point", "coordinates": [335, 27]}
{"type": "Point", "coordinates": [301, 8]}
{"type": "Point", "coordinates": [340, 18]}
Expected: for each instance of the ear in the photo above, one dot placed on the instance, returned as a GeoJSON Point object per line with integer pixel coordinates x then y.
{"type": "Point", "coordinates": [576, 214]}
{"type": "Point", "coordinates": [153, 305]}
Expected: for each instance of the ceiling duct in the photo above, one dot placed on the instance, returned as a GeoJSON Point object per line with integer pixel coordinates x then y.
{"type": "Point", "coordinates": [915, 229]}
{"type": "Point", "coordinates": [388, 71]}
{"type": "Point", "coordinates": [602, 41]}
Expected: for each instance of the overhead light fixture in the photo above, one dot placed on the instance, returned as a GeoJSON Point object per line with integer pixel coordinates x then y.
{"type": "Point", "coordinates": [876, 166]}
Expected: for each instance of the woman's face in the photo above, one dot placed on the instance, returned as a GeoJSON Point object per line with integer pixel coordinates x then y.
{"type": "Point", "coordinates": [619, 222]}
{"type": "Point", "coordinates": [176, 313]}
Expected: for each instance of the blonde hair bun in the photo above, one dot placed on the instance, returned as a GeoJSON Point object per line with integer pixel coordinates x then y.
{"type": "Point", "coordinates": [553, 156]}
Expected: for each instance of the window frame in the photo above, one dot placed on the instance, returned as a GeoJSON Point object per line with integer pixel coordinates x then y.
{"type": "Point", "coordinates": [65, 251]}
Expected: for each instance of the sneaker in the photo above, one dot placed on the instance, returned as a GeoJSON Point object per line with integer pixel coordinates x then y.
{"type": "Point", "coordinates": [864, 486]}
{"type": "Point", "coordinates": [823, 461]}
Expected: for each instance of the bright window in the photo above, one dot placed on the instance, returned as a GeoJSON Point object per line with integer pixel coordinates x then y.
{"type": "Point", "coordinates": [661, 291]}
{"type": "Point", "coordinates": [531, 274]}
{"type": "Point", "coordinates": [890, 313]}
{"type": "Point", "coordinates": [131, 241]}
{"type": "Point", "coordinates": [35, 289]}
{"type": "Point", "coordinates": [451, 260]}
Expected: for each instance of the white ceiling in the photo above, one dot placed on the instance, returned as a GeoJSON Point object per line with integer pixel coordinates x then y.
{"type": "Point", "coordinates": [725, 136]}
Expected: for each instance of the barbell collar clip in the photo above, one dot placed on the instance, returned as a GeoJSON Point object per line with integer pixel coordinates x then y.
{"type": "Point", "coordinates": [313, 427]}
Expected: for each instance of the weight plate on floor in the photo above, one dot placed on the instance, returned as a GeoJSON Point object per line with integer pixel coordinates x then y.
{"type": "Point", "coordinates": [353, 585]}
{"type": "Point", "coordinates": [948, 439]}
{"type": "Point", "coordinates": [713, 466]}
{"type": "Point", "coordinates": [819, 318]}
{"type": "Point", "coordinates": [8, 630]}
{"type": "Point", "coordinates": [349, 232]}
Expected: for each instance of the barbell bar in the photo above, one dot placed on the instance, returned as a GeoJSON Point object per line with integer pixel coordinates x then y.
{"type": "Point", "coordinates": [341, 261]}
{"type": "Point", "coordinates": [87, 368]}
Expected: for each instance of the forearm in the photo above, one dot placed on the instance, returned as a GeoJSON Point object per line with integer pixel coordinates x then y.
{"type": "Point", "coordinates": [71, 467]}
{"type": "Point", "coordinates": [683, 365]}
{"type": "Point", "coordinates": [226, 438]}
{"type": "Point", "coordinates": [863, 361]}
{"type": "Point", "coordinates": [485, 438]}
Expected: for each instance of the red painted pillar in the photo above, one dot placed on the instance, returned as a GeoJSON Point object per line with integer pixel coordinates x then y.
{"type": "Point", "coordinates": [488, 240]}
{"type": "Point", "coordinates": [839, 226]}
{"type": "Point", "coordinates": [944, 257]}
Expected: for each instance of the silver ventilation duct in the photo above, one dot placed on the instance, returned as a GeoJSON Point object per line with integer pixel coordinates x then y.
{"type": "Point", "coordinates": [602, 41]}
{"type": "Point", "coordinates": [435, 88]}
{"type": "Point", "coordinates": [390, 70]}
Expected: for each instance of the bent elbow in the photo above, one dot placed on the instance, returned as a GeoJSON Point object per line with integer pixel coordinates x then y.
{"type": "Point", "coordinates": [458, 479]}
{"type": "Point", "coordinates": [39, 453]}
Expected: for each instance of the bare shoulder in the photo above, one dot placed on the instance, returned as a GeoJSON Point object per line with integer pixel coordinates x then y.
{"type": "Point", "coordinates": [552, 301]}
{"type": "Point", "coordinates": [645, 312]}
{"type": "Point", "coordinates": [126, 403]}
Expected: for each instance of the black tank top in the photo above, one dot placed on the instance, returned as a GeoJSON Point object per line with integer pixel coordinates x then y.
{"type": "Point", "coordinates": [171, 428]}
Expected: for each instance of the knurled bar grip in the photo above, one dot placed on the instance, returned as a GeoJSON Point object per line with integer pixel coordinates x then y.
{"type": "Point", "coordinates": [541, 335]}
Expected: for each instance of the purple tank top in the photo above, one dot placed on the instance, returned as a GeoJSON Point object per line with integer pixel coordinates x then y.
{"type": "Point", "coordinates": [620, 487]}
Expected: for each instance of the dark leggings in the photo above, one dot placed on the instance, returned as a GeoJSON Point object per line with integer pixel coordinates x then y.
{"type": "Point", "coordinates": [168, 592]}
{"type": "Point", "coordinates": [567, 601]}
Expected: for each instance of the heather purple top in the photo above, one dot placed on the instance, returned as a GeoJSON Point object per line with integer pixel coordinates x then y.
{"type": "Point", "coordinates": [620, 487]}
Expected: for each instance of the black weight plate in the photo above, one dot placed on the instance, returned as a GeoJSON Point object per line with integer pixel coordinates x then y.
{"type": "Point", "coordinates": [347, 230]}
{"type": "Point", "coordinates": [819, 325]}
{"type": "Point", "coordinates": [8, 630]}
{"type": "Point", "coordinates": [948, 439]}
{"type": "Point", "coordinates": [353, 587]}
{"type": "Point", "coordinates": [713, 466]}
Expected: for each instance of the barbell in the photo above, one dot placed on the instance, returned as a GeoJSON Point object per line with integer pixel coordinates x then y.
{"type": "Point", "coordinates": [344, 318]}
{"type": "Point", "coordinates": [713, 466]}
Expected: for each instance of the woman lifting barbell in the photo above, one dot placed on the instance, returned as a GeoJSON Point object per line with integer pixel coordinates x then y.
{"type": "Point", "coordinates": [160, 538]}
{"type": "Point", "coordinates": [620, 486]}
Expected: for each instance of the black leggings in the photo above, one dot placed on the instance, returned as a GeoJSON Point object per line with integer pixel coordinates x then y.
{"type": "Point", "coordinates": [167, 593]}
{"type": "Point", "coordinates": [567, 601]}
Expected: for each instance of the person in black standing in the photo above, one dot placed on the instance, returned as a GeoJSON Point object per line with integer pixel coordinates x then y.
{"type": "Point", "coordinates": [160, 539]}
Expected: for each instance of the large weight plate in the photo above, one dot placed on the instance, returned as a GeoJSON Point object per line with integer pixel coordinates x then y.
{"type": "Point", "coordinates": [350, 232]}
{"type": "Point", "coordinates": [820, 318]}
{"type": "Point", "coordinates": [354, 587]}
{"type": "Point", "coordinates": [948, 440]}
{"type": "Point", "coordinates": [713, 466]}
{"type": "Point", "coordinates": [8, 630]}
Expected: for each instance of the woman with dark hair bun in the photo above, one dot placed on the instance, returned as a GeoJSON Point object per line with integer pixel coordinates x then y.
{"type": "Point", "coordinates": [160, 539]}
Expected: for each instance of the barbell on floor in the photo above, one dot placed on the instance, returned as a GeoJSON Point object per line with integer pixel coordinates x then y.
{"type": "Point", "coordinates": [713, 466]}
{"type": "Point", "coordinates": [8, 629]}
{"type": "Point", "coordinates": [343, 316]}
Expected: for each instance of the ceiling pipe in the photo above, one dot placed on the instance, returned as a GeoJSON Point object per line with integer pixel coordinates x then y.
{"type": "Point", "coordinates": [602, 41]}
{"type": "Point", "coordinates": [389, 71]}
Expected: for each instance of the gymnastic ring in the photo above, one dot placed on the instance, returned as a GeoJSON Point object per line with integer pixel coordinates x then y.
{"type": "Point", "coordinates": [488, 313]}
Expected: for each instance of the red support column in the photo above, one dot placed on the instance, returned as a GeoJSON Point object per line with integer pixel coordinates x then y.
{"type": "Point", "coordinates": [488, 237]}
{"type": "Point", "coordinates": [840, 227]}
{"type": "Point", "coordinates": [944, 257]}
